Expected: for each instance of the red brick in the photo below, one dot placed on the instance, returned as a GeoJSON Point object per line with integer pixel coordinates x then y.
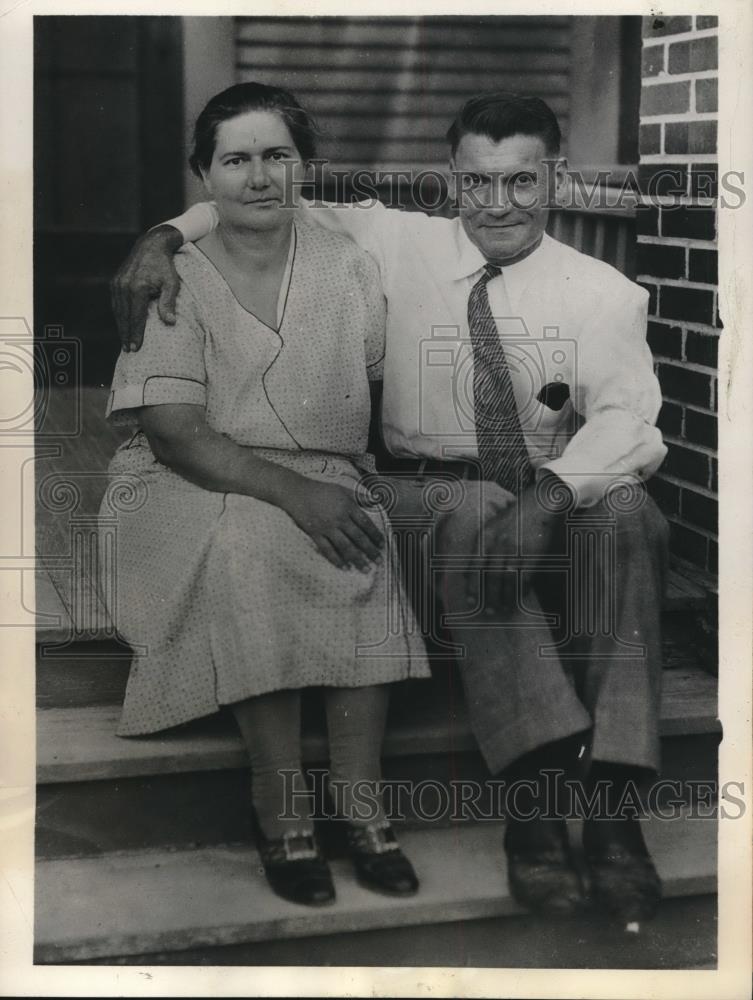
{"type": "Point", "coordinates": [696, 305]}
{"type": "Point", "coordinates": [650, 139]}
{"type": "Point", "coordinates": [701, 348]}
{"type": "Point", "coordinates": [690, 137]}
{"type": "Point", "coordinates": [667, 495]}
{"type": "Point", "coordinates": [663, 179]}
{"type": "Point", "coordinates": [699, 510]}
{"type": "Point", "coordinates": [684, 463]}
{"type": "Point", "coordinates": [657, 26]}
{"type": "Point", "coordinates": [693, 56]}
{"type": "Point", "coordinates": [717, 318]}
{"type": "Point", "coordinates": [688, 544]}
{"type": "Point", "coordinates": [704, 180]}
{"type": "Point", "coordinates": [647, 221]}
{"type": "Point", "coordinates": [653, 296]}
{"type": "Point", "coordinates": [693, 222]}
{"type": "Point", "coordinates": [670, 419]}
{"type": "Point", "coordinates": [665, 341]}
{"type": "Point", "coordinates": [706, 22]}
{"type": "Point", "coordinates": [685, 385]}
{"type": "Point", "coordinates": [707, 95]}
{"type": "Point", "coordinates": [653, 60]}
{"type": "Point", "coordinates": [660, 260]}
{"type": "Point", "coordinates": [703, 266]}
{"type": "Point", "coordinates": [701, 428]}
{"type": "Point", "coordinates": [665, 99]}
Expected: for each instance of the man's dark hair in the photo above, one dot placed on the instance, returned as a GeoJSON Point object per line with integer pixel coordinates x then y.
{"type": "Point", "coordinates": [239, 99]}
{"type": "Point", "coordinates": [500, 114]}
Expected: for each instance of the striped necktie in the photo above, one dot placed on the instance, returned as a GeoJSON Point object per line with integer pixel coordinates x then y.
{"type": "Point", "coordinates": [501, 446]}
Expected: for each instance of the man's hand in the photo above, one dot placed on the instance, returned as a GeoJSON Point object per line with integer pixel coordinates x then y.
{"type": "Point", "coordinates": [339, 527]}
{"type": "Point", "coordinates": [526, 529]}
{"type": "Point", "coordinates": [147, 273]}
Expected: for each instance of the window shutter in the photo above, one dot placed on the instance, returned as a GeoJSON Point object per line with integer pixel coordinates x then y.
{"type": "Point", "coordinates": [385, 89]}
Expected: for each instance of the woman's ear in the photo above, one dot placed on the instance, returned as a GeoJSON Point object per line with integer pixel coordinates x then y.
{"type": "Point", "coordinates": [205, 179]}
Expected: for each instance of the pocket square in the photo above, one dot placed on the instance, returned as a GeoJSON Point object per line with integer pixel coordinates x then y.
{"type": "Point", "coordinates": [554, 395]}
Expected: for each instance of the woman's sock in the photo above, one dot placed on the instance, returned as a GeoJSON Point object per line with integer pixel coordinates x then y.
{"type": "Point", "coordinates": [271, 728]}
{"type": "Point", "coordinates": [355, 721]}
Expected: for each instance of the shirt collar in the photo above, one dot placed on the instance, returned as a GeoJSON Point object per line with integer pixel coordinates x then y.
{"type": "Point", "coordinates": [469, 260]}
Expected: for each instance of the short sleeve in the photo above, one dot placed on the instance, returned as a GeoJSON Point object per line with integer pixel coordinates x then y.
{"type": "Point", "coordinates": [168, 368]}
{"type": "Point", "coordinates": [375, 315]}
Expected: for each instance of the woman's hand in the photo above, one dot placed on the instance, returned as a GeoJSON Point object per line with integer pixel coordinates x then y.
{"type": "Point", "coordinates": [338, 525]}
{"type": "Point", "coordinates": [147, 273]}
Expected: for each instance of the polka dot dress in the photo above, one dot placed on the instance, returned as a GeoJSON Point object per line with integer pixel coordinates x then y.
{"type": "Point", "coordinates": [222, 596]}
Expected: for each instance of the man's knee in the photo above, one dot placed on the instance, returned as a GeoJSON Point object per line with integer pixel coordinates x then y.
{"type": "Point", "coordinates": [643, 525]}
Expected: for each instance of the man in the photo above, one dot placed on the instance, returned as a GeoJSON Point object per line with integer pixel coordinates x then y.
{"type": "Point", "coordinates": [519, 368]}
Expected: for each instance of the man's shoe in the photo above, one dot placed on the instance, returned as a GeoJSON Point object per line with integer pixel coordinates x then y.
{"type": "Point", "coordinates": [540, 870]}
{"type": "Point", "coordinates": [378, 861]}
{"type": "Point", "coordinates": [295, 868]}
{"type": "Point", "coordinates": [624, 881]}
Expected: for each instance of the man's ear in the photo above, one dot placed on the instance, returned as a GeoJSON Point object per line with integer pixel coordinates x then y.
{"type": "Point", "coordinates": [452, 180]}
{"type": "Point", "coordinates": [560, 178]}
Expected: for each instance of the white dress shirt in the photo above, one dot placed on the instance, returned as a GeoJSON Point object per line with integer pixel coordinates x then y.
{"type": "Point", "coordinates": [563, 317]}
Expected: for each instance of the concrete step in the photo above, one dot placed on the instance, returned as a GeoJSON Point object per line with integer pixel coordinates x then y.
{"type": "Point", "coordinates": [682, 936]}
{"type": "Point", "coordinates": [79, 744]}
{"type": "Point", "coordinates": [138, 903]}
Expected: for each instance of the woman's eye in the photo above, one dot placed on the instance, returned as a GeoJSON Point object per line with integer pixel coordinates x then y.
{"type": "Point", "coordinates": [233, 162]}
{"type": "Point", "coordinates": [278, 156]}
{"type": "Point", "coordinates": [525, 180]}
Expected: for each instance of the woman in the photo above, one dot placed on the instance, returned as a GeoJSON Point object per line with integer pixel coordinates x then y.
{"type": "Point", "coordinates": [252, 569]}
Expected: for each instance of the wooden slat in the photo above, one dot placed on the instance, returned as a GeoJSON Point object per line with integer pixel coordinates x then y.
{"type": "Point", "coordinates": [79, 744]}
{"type": "Point", "coordinates": [439, 108]}
{"type": "Point", "coordinates": [158, 900]}
{"type": "Point", "coordinates": [304, 82]}
{"type": "Point", "coordinates": [280, 59]}
{"type": "Point", "coordinates": [502, 32]}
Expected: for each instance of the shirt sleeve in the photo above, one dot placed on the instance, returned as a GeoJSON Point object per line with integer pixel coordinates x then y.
{"type": "Point", "coordinates": [371, 225]}
{"type": "Point", "coordinates": [617, 393]}
{"type": "Point", "coordinates": [375, 316]}
{"type": "Point", "coordinates": [169, 367]}
{"type": "Point", "coordinates": [196, 222]}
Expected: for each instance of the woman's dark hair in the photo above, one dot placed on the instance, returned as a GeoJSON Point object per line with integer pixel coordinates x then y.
{"type": "Point", "coordinates": [239, 99]}
{"type": "Point", "coordinates": [499, 115]}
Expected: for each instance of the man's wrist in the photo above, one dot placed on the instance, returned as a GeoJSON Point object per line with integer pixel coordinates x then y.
{"type": "Point", "coordinates": [168, 236]}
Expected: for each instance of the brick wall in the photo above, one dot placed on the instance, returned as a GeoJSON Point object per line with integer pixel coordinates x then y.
{"type": "Point", "coordinates": [677, 263]}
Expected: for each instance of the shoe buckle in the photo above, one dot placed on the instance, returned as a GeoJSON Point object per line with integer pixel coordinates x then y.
{"type": "Point", "coordinates": [380, 838]}
{"type": "Point", "coordinates": [299, 845]}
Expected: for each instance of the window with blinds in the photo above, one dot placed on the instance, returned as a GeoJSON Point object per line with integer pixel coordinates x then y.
{"type": "Point", "coordinates": [385, 89]}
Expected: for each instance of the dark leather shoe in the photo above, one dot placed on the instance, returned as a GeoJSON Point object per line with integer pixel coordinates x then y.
{"type": "Point", "coordinates": [540, 870]}
{"type": "Point", "coordinates": [378, 861]}
{"type": "Point", "coordinates": [624, 881]}
{"type": "Point", "coordinates": [295, 868]}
